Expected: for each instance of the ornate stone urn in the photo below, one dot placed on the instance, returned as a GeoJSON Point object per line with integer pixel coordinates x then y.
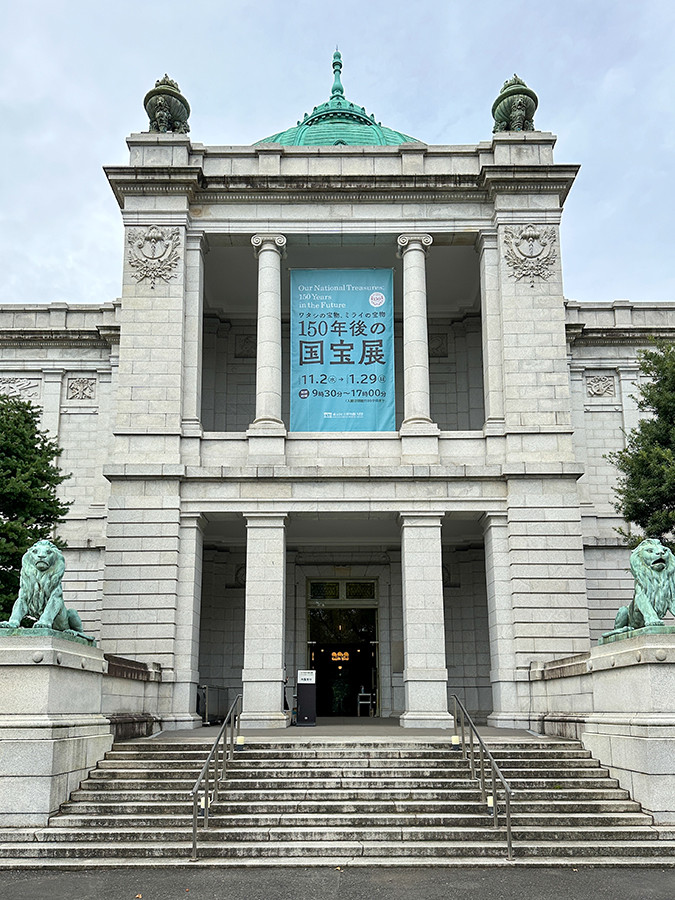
{"type": "Point", "coordinates": [514, 108]}
{"type": "Point", "coordinates": [166, 107]}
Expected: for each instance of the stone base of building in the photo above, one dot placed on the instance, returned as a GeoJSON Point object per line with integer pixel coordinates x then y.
{"type": "Point", "coordinates": [52, 729]}
{"type": "Point", "coordinates": [263, 720]}
{"type": "Point", "coordinates": [619, 701]}
{"type": "Point", "coordinates": [426, 720]}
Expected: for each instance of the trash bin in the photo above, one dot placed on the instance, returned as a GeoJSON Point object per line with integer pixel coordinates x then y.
{"type": "Point", "coordinates": [306, 697]}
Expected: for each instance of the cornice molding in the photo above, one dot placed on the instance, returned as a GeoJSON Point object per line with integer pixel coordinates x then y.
{"type": "Point", "coordinates": [579, 334]}
{"type": "Point", "coordinates": [154, 180]}
{"type": "Point", "coordinates": [543, 179]}
{"type": "Point", "coordinates": [103, 337]}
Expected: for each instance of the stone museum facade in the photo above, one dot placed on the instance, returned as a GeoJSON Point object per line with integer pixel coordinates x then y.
{"type": "Point", "coordinates": [451, 554]}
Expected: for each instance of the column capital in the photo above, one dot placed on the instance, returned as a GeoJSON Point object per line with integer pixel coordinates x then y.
{"type": "Point", "coordinates": [423, 518]}
{"type": "Point", "coordinates": [275, 242]}
{"type": "Point", "coordinates": [487, 240]}
{"type": "Point", "coordinates": [413, 242]}
{"type": "Point", "coordinates": [265, 519]}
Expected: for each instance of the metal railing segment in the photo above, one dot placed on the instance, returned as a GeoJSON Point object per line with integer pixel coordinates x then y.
{"type": "Point", "coordinates": [214, 770]}
{"type": "Point", "coordinates": [478, 769]}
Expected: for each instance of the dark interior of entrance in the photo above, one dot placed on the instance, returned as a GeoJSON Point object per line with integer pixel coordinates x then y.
{"type": "Point", "coordinates": [343, 650]}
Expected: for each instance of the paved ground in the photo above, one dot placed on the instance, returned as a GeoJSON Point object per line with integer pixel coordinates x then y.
{"type": "Point", "coordinates": [331, 884]}
{"type": "Point", "coordinates": [341, 728]}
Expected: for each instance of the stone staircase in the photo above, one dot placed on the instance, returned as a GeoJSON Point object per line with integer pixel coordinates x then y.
{"type": "Point", "coordinates": [358, 802]}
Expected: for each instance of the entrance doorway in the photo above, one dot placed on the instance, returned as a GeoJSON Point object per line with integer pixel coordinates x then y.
{"type": "Point", "coordinates": [343, 647]}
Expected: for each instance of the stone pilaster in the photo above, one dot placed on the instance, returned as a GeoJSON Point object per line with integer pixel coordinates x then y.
{"type": "Point", "coordinates": [264, 623]}
{"type": "Point", "coordinates": [188, 610]}
{"type": "Point", "coordinates": [505, 710]}
{"type": "Point", "coordinates": [268, 423]}
{"type": "Point", "coordinates": [491, 321]}
{"type": "Point", "coordinates": [52, 381]}
{"type": "Point", "coordinates": [425, 675]}
{"type": "Point", "coordinates": [195, 250]}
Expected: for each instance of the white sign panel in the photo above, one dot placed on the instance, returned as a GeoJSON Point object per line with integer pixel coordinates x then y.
{"type": "Point", "coordinates": [306, 676]}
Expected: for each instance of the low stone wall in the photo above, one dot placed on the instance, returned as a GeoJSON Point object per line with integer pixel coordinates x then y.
{"type": "Point", "coordinates": [131, 697]}
{"type": "Point", "coordinates": [619, 701]}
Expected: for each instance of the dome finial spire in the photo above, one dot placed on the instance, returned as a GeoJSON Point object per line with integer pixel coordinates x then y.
{"type": "Point", "coordinates": [338, 90]}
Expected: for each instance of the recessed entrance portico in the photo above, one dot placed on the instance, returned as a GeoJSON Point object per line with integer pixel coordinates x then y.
{"type": "Point", "coordinates": [345, 616]}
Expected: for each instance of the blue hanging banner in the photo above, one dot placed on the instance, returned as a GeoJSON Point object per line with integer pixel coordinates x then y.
{"type": "Point", "coordinates": [342, 350]}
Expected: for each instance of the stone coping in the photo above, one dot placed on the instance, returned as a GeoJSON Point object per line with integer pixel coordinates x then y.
{"type": "Point", "coordinates": [611, 637]}
{"type": "Point", "coordinates": [42, 632]}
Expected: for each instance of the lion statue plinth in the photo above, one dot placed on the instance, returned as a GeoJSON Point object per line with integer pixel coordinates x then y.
{"type": "Point", "coordinates": [653, 568]}
{"type": "Point", "coordinates": [40, 592]}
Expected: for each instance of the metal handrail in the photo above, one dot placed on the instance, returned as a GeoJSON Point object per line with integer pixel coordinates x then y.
{"type": "Point", "coordinates": [205, 779]}
{"type": "Point", "coordinates": [496, 775]}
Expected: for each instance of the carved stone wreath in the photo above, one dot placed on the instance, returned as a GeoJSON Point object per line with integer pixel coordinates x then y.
{"type": "Point", "coordinates": [600, 386]}
{"type": "Point", "coordinates": [81, 389]}
{"type": "Point", "coordinates": [153, 253]}
{"type": "Point", "coordinates": [530, 252]}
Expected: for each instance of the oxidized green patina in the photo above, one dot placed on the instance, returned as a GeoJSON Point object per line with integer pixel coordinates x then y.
{"type": "Point", "coordinates": [338, 121]}
{"type": "Point", "coordinates": [514, 108]}
{"type": "Point", "coordinates": [41, 594]}
{"type": "Point", "coordinates": [167, 108]}
{"type": "Point", "coordinates": [653, 568]}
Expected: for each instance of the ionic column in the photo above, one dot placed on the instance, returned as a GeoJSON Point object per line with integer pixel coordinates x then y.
{"type": "Point", "coordinates": [416, 409]}
{"type": "Point", "coordinates": [269, 249]}
{"type": "Point", "coordinates": [425, 676]}
{"type": "Point", "coordinates": [264, 621]}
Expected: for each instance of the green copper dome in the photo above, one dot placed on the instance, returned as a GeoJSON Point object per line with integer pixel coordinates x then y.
{"type": "Point", "coordinates": [338, 121]}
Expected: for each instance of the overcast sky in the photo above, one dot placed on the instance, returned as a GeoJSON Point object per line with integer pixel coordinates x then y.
{"type": "Point", "coordinates": [73, 76]}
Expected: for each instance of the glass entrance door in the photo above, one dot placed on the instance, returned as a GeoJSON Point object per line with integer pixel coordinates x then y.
{"type": "Point", "coordinates": [342, 630]}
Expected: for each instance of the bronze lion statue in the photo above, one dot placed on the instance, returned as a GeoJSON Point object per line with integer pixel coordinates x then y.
{"type": "Point", "coordinates": [40, 591]}
{"type": "Point", "coordinates": [653, 568]}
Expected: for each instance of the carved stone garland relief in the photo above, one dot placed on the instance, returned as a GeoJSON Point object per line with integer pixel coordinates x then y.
{"type": "Point", "coordinates": [21, 387]}
{"type": "Point", "coordinates": [530, 252]}
{"type": "Point", "coordinates": [153, 253]}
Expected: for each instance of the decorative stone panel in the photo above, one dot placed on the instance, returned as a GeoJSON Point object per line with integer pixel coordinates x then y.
{"type": "Point", "coordinates": [20, 386]}
{"type": "Point", "coordinates": [601, 385]}
{"type": "Point", "coordinates": [81, 389]}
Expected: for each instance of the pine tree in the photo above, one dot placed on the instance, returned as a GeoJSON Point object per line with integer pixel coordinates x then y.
{"type": "Point", "coordinates": [646, 487]}
{"type": "Point", "coordinates": [29, 477]}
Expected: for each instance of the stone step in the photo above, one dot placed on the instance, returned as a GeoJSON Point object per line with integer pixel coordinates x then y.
{"type": "Point", "coordinates": [311, 752]}
{"type": "Point", "coordinates": [661, 850]}
{"type": "Point", "coordinates": [233, 785]}
{"type": "Point", "coordinates": [217, 833]}
{"type": "Point", "coordinates": [354, 819]}
{"type": "Point", "coordinates": [353, 801]}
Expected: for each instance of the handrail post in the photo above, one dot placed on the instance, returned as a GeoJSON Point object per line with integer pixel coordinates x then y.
{"type": "Point", "coordinates": [195, 809]}
{"type": "Point", "coordinates": [207, 796]}
{"type": "Point", "coordinates": [482, 773]}
{"type": "Point", "coordinates": [472, 760]}
{"type": "Point", "coordinates": [509, 845]}
{"type": "Point", "coordinates": [495, 813]}
{"type": "Point", "coordinates": [463, 741]}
